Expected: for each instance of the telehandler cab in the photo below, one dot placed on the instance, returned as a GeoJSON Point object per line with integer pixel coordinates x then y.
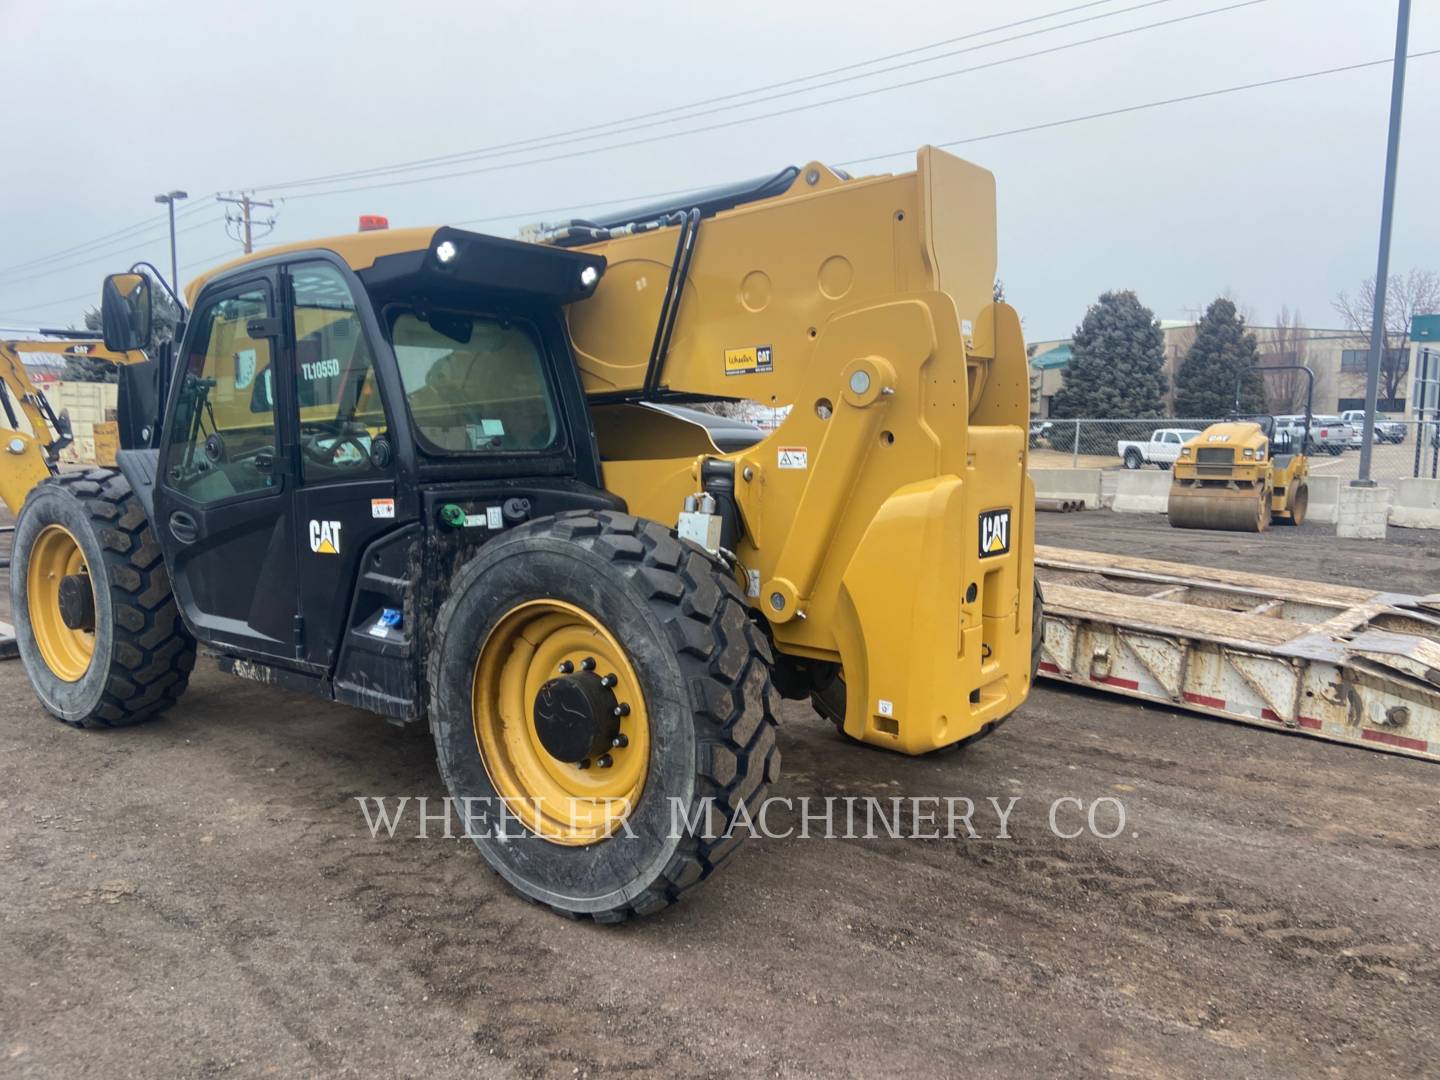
{"type": "Point", "coordinates": [421, 472]}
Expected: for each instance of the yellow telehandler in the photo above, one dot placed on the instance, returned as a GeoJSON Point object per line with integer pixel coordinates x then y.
{"type": "Point", "coordinates": [442, 476]}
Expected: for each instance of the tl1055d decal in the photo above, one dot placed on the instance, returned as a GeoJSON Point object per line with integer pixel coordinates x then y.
{"type": "Point", "coordinates": [994, 533]}
{"type": "Point", "coordinates": [751, 360]}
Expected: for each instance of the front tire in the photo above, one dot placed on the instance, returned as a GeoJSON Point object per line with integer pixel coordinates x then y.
{"type": "Point", "coordinates": [97, 626]}
{"type": "Point", "coordinates": [523, 617]}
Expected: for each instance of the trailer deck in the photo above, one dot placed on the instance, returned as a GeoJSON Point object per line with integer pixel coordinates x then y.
{"type": "Point", "coordinates": [1337, 662]}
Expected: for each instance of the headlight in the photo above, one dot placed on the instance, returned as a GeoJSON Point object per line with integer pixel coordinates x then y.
{"type": "Point", "coordinates": [1184, 451]}
{"type": "Point", "coordinates": [1249, 453]}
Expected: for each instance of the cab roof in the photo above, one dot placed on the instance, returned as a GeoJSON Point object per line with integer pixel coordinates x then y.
{"type": "Point", "coordinates": [441, 260]}
{"type": "Point", "coordinates": [359, 251]}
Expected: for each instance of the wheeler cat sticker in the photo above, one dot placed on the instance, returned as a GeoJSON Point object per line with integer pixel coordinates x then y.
{"type": "Point", "coordinates": [751, 360]}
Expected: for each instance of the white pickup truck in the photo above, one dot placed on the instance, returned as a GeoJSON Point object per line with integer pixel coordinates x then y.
{"type": "Point", "coordinates": [1387, 429]}
{"type": "Point", "coordinates": [1162, 449]}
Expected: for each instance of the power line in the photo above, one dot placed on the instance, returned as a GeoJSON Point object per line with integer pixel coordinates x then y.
{"type": "Point", "coordinates": [540, 142]}
{"type": "Point", "coordinates": [1149, 105]}
{"type": "Point", "coordinates": [778, 112]}
{"type": "Point", "coordinates": [628, 124]}
{"type": "Point", "coordinates": [109, 254]}
{"type": "Point", "coordinates": [51, 303]}
{"type": "Point", "coordinates": [1120, 111]}
{"type": "Point", "coordinates": [139, 228]}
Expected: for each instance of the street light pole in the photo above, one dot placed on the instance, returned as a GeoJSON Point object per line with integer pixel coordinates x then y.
{"type": "Point", "coordinates": [169, 199]}
{"type": "Point", "coordinates": [1382, 271]}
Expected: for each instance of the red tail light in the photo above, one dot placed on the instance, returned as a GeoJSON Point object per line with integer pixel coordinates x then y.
{"type": "Point", "coordinates": [373, 222]}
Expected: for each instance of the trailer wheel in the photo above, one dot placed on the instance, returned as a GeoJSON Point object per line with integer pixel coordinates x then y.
{"type": "Point", "coordinates": [98, 629]}
{"type": "Point", "coordinates": [602, 699]}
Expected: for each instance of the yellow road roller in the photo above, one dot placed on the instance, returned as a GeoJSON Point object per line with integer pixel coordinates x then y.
{"type": "Point", "coordinates": [1244, 473]}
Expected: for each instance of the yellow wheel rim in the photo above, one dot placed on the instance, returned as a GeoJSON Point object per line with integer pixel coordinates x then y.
{"type": "Point", "coordinates": [56, 556]}
{"type": "Point", "coordinates": [557, 800]}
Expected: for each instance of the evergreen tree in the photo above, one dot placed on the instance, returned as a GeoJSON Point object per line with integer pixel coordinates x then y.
{"type": "Point", "coordinates": [1117, 365]}
{"type": "Point", "coordinates": [1221, 352]}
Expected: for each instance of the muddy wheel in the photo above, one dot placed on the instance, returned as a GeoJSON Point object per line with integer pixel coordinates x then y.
{"type": "Point", "coordinates": [1299, 505]}
{"type": "Point", "coordinates": [600, 695]}
{"type": "Point", "coordinates": [97, 627]}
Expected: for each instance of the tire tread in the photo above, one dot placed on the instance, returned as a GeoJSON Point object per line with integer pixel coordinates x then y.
{"type": "Point", "coordinates": [724, 659]}
{"type": "Point", "coordinates": [153, 653]}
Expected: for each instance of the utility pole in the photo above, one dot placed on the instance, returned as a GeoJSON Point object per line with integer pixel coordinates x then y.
{"type": "Point", "coordinates": [1382, 271]}
{"type": "Point", "coordinates": [170, 198]}
{"type": "Point", "coordinates": [247, 204]}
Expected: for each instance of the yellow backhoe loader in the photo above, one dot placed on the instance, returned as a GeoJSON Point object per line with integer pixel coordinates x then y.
{"type": "Point", "coordinates": [1244, 473]}
{"type": "Point", "coordinates": [436, 475]}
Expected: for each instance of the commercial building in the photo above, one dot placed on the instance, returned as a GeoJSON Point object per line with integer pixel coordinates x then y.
{"type": "Point", "coordinates": [1338, 358]}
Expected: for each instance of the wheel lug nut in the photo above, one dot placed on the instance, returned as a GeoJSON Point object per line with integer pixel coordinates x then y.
{"type": "Point", "coordinates": [610, 680]}
{"type": "Point", "coordinates": [605, 761]}
{"type": "Point", "coordinates": [566, 667]}
{"type": "Point", "coordinates": [588, 663]}
{"type": "Point", "coordinates": [622, 709]}
{"type": "Point", "coordinates": [620, 741]}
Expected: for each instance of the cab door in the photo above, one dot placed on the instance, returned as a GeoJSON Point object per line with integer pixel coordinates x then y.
{"type": "Point", "coordinates": [345, 457]}
{"type": "Point", "coordinates": [223, 509]}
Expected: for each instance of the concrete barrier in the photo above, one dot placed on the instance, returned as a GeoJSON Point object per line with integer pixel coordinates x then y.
{"type": "Point", "coordinates": [1141, 492]}
{"type": "Point", "coordinates": [1068, 484]}
{"type": "Point", "coordinates": [1363, 512]}
{"type": "Point", "coordinates": [1324, 498]}
{"type": "Point", "coordinates": [1417, 504]}
{"type": "Point", "coordinates": [1108, 479]}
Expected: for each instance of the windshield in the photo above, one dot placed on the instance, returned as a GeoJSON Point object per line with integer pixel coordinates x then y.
{"type": "Point", "coordinates": [474, 383]}
{"type": "Point", "coordinates": [1186, 434]}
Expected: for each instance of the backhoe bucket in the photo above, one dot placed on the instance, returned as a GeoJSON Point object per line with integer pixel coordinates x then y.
{"type": "Point", "coordinates": [1226, 508]}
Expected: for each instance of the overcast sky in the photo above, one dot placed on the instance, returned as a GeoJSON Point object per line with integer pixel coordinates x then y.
{"type": "Point", "coordinates": [1271, 194]}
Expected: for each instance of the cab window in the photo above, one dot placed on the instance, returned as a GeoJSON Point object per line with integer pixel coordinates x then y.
{"type": "Point", "coordinates": [474, 383]}
{"type": "Point", "coordinates": [335, 386]}
{"type": "Point", "coordinates": [222, 445]}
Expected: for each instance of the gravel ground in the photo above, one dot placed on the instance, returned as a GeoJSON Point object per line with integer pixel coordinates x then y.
{"type": "Point", "coordinates": [200, 896]}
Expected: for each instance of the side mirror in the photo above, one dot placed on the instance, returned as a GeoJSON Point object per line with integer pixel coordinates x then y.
{"type": "Point", "coordinates": [125, 312]}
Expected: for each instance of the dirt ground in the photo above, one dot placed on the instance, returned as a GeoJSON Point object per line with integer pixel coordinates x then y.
{"type": "Point", "coordinates": [200, 897]}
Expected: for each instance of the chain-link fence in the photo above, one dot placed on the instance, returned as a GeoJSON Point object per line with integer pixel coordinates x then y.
{"type": "Point", "coordinates": [1402, 448]}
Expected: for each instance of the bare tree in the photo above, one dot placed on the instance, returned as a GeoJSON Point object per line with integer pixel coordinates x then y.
{"type": "Point", "coordinates": [1288, 343]}
{"type": "Point", "coordinates": [1415, 293]}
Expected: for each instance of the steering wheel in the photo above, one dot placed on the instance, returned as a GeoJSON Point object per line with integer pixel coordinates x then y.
{"type": "Point", "coordinates": [311, 449]}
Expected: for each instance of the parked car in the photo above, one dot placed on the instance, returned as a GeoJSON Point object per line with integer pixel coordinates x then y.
{"type": "Point", "coordinates": [1387, 429]}
{"type": "Point", "coordinates": [1328, 433]}
{"type": "Point", "coordinates": [1040, 433]}
{"type": "Point", "coordinates": [1162, 448]}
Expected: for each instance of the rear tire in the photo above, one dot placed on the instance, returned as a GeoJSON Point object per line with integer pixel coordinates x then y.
{"type": "Point", "coordinates": [677, 625]}
{"type": "Point", "coordinates": [1299, 505]}
{"type": "Point", "coordinates": [136, 661]}
{"type": "Point", "coordinates": [1133, 460]}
